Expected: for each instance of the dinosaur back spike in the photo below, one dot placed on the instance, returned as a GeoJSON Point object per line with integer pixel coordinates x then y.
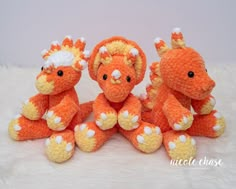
{"type": "Point", "coordinates": [161, 46]}
{"type": "Point", "coordinates": [55, 46]}
{"type": "Point", "coordinates": [80, 44]}
{"type": "Point", "coordinates": [68, 41]}
{"type": "Point", "coordinates": [177, 39]}
{"type": "Point", "coordinates": [148, 100]}
{"type": "Point", "coordinates": [44, 54]}
{"type": "Point", "coordinates": [66, 54]}
{"type": "Point", "coordinates": [85, 55]}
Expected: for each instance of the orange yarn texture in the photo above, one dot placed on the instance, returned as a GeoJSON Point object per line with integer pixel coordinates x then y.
{"type": "Point", "coordinates": [179, 82]}
{"type": "Point", "coordinates": [117, 64]}
{"type": "Point", "coordinates": [55, 111]}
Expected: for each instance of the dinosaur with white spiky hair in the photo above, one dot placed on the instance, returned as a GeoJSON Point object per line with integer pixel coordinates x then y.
{"type": "Point", "coordinates": [55, 111]}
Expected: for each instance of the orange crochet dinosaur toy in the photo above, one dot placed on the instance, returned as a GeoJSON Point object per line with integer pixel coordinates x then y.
{"type": "Point", "coordinates": [117, 64]}
{"type": "Point", "coordinates": [55, 110]}
{"type": "Point", "coordinates": [180, 81]}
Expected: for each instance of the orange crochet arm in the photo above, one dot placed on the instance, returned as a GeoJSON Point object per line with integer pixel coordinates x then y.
{"type": "Point", "coordinates": [35, 107]}
{"type": "Point", "coordinates": [204, 106]}
{"type": "Point", "coordinates": [58, 117]}
{"type": "Point", "coordinates": [130, 115]}
{"type": "Point", "coordinates": [105, 115]}
{"type": "Point", "coordinates": [179, 117]}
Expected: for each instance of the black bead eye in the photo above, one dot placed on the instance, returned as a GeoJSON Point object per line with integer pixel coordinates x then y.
{"type": "Point", "coordinates": [128, 78]}
{"type": "Point", "coordinates": [190, 74]}
{"type": "Point", "coordinates": [42, 68]}
{"type": "Point", "coordinates": [104, 77]}
{"type": "Point", "coordinates": [60, 73]}
{"type": "Point", "coordinates": [206, 70]}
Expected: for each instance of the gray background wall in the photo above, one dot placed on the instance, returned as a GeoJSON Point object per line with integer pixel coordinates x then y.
{"type": "Point", "coordinates": [27, 26]}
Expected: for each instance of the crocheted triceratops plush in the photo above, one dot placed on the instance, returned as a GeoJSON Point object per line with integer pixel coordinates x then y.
{"type": "Point", "coordinates": [179, 82]}
{"type": "Point", "coordinates": [55, 111]}
{"type": "Point", "coordinates": [117, 64]}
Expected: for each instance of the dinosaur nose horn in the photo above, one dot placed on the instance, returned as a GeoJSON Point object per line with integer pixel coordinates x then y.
{"type": "Point", "coordinates": [116, 74]}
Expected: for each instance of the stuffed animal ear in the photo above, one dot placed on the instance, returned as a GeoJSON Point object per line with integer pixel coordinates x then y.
{"type": "Point", "coordinates": [132, 56]}
{"type": "Point", "coordinates": [161, 46]}
{"type": "Point", "coordinates": [118, 46]}
{"type": "Point", "coordinates": [177, 40]}
{"type": "Point", "coordinates": [136, 58]}
{"type": "Point", "coordinates": [105, 56]}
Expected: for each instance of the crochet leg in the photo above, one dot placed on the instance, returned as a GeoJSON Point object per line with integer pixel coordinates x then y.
{"type": "Point", "coordinates": [146, 138]}
{"type": "Point", "coordinates": [60, 146]}
{"type": "Point", "coordinates": [205, 106]}
{"type": "Point", "coordinates": [147, 116]}
{"type": "Point", "coordinates": [105, 115]}
{"type": "Point", "coordinates": [179, 145]}
{"type": "Point", "coordinates": [179, 117]}
{"type": "Point", "coordinates": [85, 110]}
{"type": "Point", "coordinates": [35, 107]}
{"type": "Point", "coordinates": [90, 138]}
{"type": "Point", "coordinates": [211, 125]}
{"type": "Point", "coordinates": [59, 117]}
{"type": "Point", "coordinates": [129, 116]}
{"type": "Point", "coordinates": [22, 128]}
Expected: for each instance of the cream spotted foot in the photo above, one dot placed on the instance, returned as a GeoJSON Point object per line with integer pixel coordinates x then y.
{"type": "Point", "coordinates": [184, 123]}
{"type": "Point", "coordinates": [54, 122]}
{"type": "Point", "coordinates": [204, 107]}
{"type": "Point", "coordinates": [220, 125]}
{"type": "Point", "coordinates": [180, 146]}
{"type": "Point", "coordinates": [146, 138]}
{"type": "Point", "coordinates": [128, 121]}
{"type": "Point", "coordinates": [208, 106]}
{"type": "Point", "coordinates": [35, 107]}
{"type": "Point", "coordinates": [14, 128]}
{"type": "Point", "coordinates": [30, 111]}
{"type": "Point", "coordinates": [60, 146]}
{"type": "Point", "coordinates": [149, 139]}
{"type": "Point", "coordinates": [211, 125]}
{"type": "Point", "coordinates": [84, 138]}
{"type": "Point", "coordinates": [21, 128]}
{"type": "Point", "coordinates": [106, 120]}
{"type": "Point", "coordinates": [59, 117]}
{"type": "Point", "coordinates": [89, 137]}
